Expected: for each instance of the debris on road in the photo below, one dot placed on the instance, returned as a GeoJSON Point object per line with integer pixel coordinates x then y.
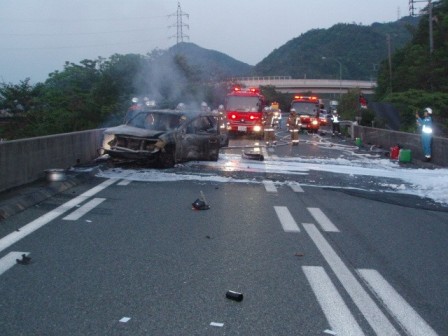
{"type": "Point", "coordinates": [24, 261]}
{"type": "Point", "coordinates": [201, 203]}
{"type": "Point", "coordinates": [235, 296]}
{"type": "Point", "coordinates": [253, 156]}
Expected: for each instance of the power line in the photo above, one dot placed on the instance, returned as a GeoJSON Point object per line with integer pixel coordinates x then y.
{"type": "Point", "coordinates": [179, 24]}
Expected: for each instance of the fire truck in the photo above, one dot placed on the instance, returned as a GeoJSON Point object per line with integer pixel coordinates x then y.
{"type": "Point", "coordinates": [307, 109]}
{"type": "Point", "coordinates": [244, 109]}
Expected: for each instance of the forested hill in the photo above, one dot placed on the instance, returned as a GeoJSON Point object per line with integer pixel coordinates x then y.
{"type": "Point", "coordinates": [319, 53]}
{"type": "Point", "coordinates": [210, 64]}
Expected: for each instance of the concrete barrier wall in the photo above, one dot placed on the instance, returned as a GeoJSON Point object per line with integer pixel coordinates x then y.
{"type": "Point", "coordinates": [24, 161]}
{"type": "Point", "coordinates": [387, 139]}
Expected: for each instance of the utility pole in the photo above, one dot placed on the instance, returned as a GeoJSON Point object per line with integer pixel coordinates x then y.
{"type": "Point", "coordinates": [389, 56]}
{"type": "Point", "coordinates": [179, 24]}
{"type": "Point", "coordinates": [430, 18]}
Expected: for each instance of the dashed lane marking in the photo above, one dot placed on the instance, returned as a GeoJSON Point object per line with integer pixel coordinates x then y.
{"type": "Point", "coordinates": [78, 213]}
{"type": "Point", "coordinates": [323, 220]}
{"type": "Point", "coordinates": [29, 228]}
{"type": "Point", "coordinates": [296, 187]}
{"type": "Point", "coordinates": [286, 219]}
{"type": "Point", "coordinates": [270, 186]}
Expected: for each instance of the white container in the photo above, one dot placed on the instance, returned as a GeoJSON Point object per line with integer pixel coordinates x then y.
{"type": "Point", "coordinates": [54, 175]}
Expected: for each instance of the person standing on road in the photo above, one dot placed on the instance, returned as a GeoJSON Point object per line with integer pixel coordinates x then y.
{"type": "Point", "coordinates": [425, 125]}
{"type": "Point", "coordinates": [335, 122]}
{"type": "Point", "coordinates": [268, 122]}
{"type": "Point", "coordinates": [293, 124]}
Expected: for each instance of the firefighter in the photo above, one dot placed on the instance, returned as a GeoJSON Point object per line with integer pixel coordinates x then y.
{"type": "Point", "coordinates": [222, 118]}
{"type": "Point", "coordinates": [268, 122]}
{"type": "Point", "coordinates": [293, 124]}
{"type": "Point", "coordinates": [425, 125]}
{"type": "Point", "coordinates": [335, 122]}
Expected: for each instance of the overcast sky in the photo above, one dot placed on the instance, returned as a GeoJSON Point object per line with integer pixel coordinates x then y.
{"type": "Point", "coordinates": [38, 36]}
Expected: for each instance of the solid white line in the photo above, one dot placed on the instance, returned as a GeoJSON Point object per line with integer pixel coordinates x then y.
{"type": "Point", "coordinates": [336, 311]}
{"type": "Point", "coordinates": [408, 318]}
{"type": "Point", "coordinates": [75, 215]}
{"type": "Point", "coordinates": [323, 220]}
{"type": "Point", "coordinates": [296, 187]}
{"type": "Point", "coordinates": [29, 228]}
{"type": "Point", "coordinates": [9, 260]}
{"type": "Point", "coordinates": [374, 316]}
{"type": "Point", "coordinates": [269, 186]}
{"type": "Point", "coordinates": [286, 219]}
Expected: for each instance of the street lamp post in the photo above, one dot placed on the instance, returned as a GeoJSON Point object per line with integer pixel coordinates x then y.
{"type": "Point", "coordinates": [340, 73]}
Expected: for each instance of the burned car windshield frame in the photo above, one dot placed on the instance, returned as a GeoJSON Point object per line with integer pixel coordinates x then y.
{"type": "Point", "coordinates": [157, 120]}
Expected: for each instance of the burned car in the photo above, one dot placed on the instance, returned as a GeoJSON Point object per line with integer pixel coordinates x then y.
{"type": "Point", "coordinates": [164, 138]}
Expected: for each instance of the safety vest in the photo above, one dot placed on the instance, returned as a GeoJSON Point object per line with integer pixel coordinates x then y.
{"type": "Point", "coordinates": [427, 129]}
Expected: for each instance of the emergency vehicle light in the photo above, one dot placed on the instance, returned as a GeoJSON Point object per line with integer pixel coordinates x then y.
{"type": "Point", "coordinates": [254, 90]}
{"type": "Point", "coordinates": [313, 98]}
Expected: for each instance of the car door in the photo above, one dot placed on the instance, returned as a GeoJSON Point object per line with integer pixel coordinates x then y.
{"type": "Point", "coordinates": [198, 139]}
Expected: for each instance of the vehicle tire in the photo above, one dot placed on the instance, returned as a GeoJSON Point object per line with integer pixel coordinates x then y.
{"type": "Point", "coordinates": [215, 157]}
{"type": "Point", "coordinates": [166, 159]}
{"type": "Point", "coordinates": [226, 143]}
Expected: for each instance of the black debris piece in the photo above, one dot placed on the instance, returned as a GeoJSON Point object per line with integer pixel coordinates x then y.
{"type": "Point", "coordinates": [24, 261]}
{"type": "Point", "coordinates": [201, 203]}
{"type": "Point", "coordinates": [253, 156]}
{"type": "Point", "coordinates": [235, 296]}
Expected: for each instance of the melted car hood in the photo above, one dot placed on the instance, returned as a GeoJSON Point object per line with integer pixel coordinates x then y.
{"type": "Point", "coordinates": [133, 131]}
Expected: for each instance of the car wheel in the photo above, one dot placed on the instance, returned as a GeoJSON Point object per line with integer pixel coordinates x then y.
{"type": "Point", "coordinates": [226, 143]}
{"type": "Point", "coordinates": [214, 157]}
{"type": "Point", "coordinates": [166, 159]}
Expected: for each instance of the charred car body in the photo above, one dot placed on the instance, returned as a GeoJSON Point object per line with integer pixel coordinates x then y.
{"type": "Point", "coordinates": [164, 138]}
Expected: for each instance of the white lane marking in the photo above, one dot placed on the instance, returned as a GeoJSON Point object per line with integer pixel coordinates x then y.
{"type": "Point", "coordinates": [336, 311]}
{"type": "Point", "coordinates": [75, 215]}
{"type": "Point", "coordinates": [374, 316]}
{"type": "Point", "coordinates": [124, 182]}
{"type": "Point", "coordinates": [408, 318]}
{"type": "Point", "coordinates": [29, 228]}
{"type": "Point", "coordinates": [286, 219]}
{"type": "Point", "coordinates": [323, 220]}
{"type": "Point", "coordinates": [296, 187]}
{"type": "Point", "coordinates": [9, 260]}
{"type": "Point", "coordinates": [269, 186]}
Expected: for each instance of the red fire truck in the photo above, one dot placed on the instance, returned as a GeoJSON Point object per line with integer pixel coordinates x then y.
{"type": "Point", "coordinates": [244, 108]}
{"type": "Point", "coordinates": [307, 109]}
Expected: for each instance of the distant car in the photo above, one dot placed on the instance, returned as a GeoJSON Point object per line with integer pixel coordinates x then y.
{"type": "Point", "coordinates": [165, 137]}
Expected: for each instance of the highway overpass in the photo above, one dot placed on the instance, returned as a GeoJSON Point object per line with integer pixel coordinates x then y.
{"type": "Point", "coordinates": [287, 84]}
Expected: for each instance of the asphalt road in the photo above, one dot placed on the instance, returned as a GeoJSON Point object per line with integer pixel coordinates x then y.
{"type": "Point", "coordinates": [134, 258]}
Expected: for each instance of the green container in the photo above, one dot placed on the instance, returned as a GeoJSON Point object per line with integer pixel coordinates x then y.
{"type": "Point", "coordinates": [405, 155]}
{"type": "Point", "coordinates": [358, 142]}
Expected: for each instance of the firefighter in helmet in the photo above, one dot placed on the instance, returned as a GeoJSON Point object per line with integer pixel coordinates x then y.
{"type": "Point", "coordinates": [294, 125]}
{"type": "Point", "coordinates": [268, 122]}
{"type": "Point", "coordinates": [425, 124]}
